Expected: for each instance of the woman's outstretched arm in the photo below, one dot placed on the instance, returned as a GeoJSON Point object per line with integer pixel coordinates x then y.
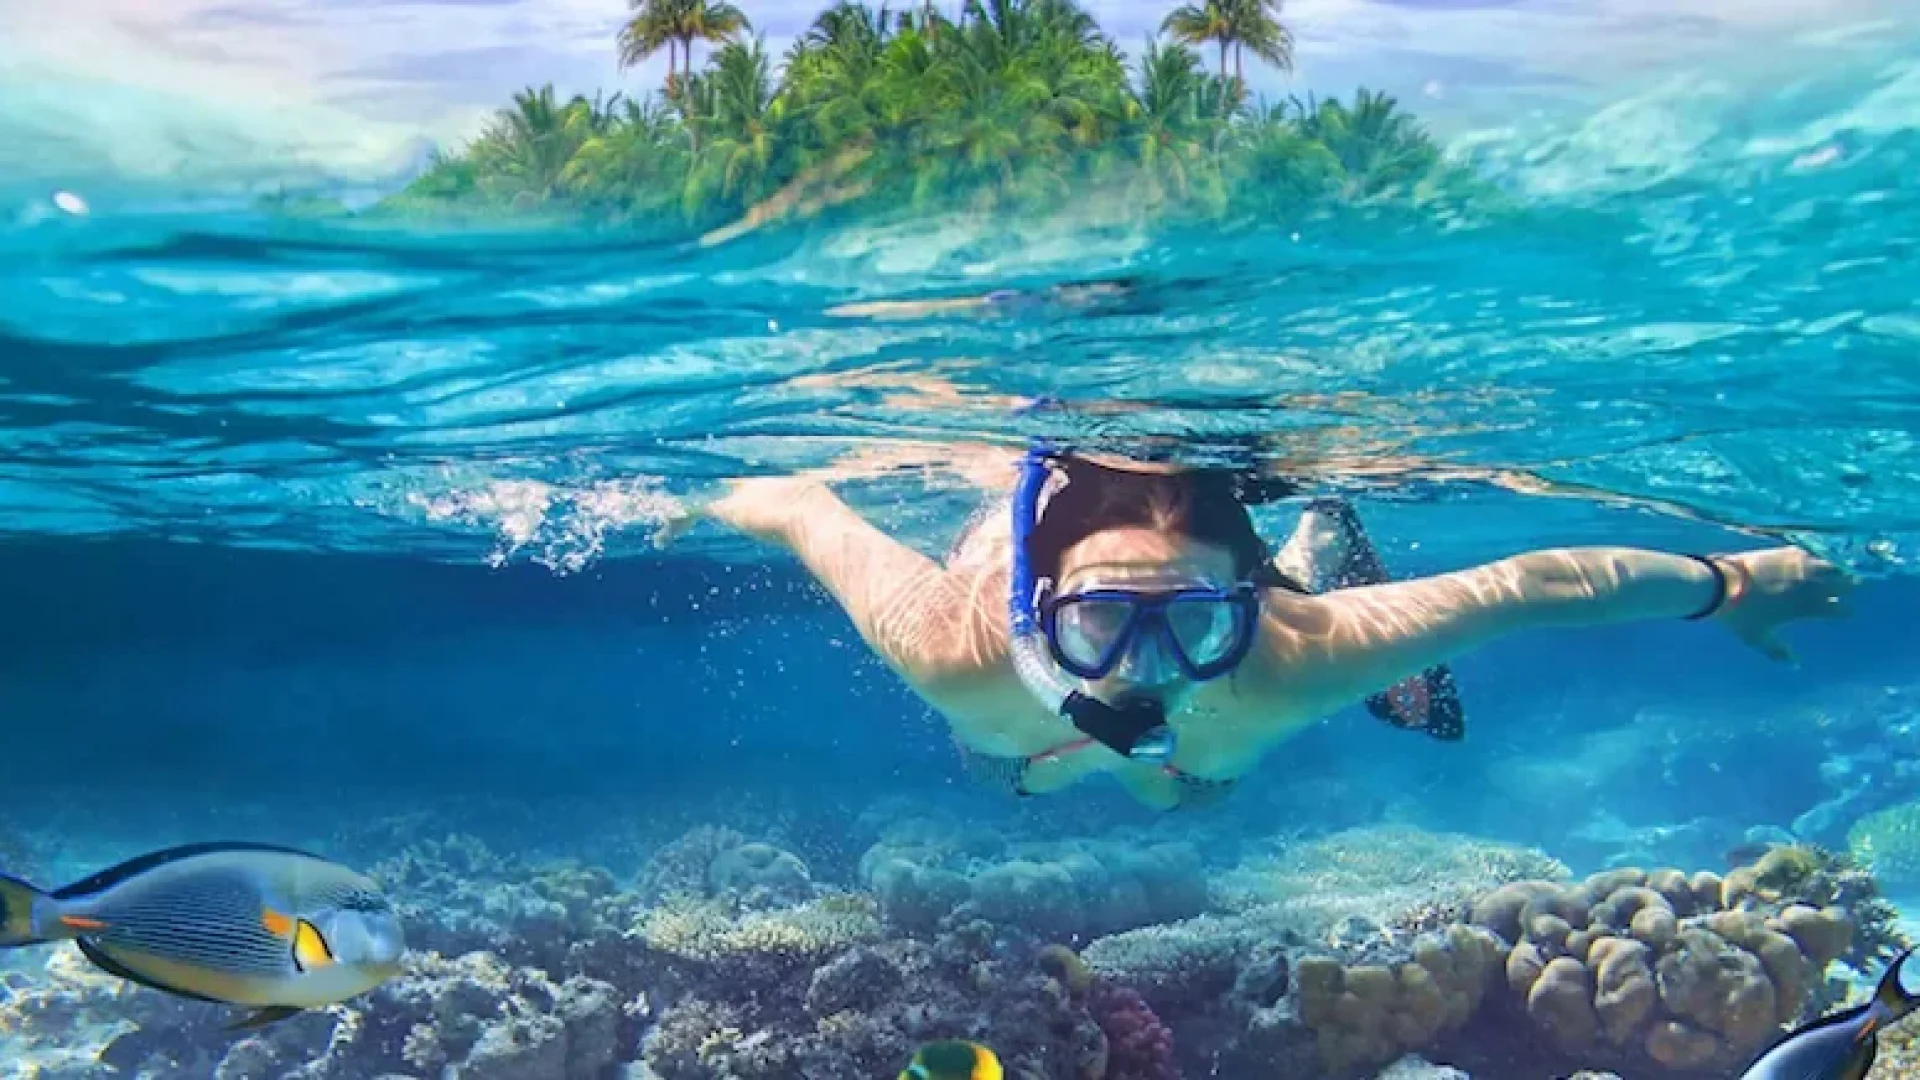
{"type": "Point", "coordinates": [913, 613]}
{"type": "Point", "coordinates": [1339, 647]}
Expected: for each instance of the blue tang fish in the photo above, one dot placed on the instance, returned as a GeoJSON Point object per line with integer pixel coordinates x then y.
{"type": "Point", "coordinates": [1840, 1046]}
{"type": "Point", "coordinates": [254, 925]}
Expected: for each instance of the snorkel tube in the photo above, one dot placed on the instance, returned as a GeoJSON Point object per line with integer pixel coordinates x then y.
{"type": "Point", "coordinates": [1136, 729]}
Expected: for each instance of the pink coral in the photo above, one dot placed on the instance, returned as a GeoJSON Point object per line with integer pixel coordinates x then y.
{"type": "Point", "coordinates": [1139, 1045]}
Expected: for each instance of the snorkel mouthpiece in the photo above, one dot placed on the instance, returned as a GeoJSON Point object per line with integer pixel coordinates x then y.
{"type": "Point", "coordinates": [1137, 728]}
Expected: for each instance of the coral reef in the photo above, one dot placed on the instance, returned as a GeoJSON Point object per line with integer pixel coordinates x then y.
{"type": "Point", "coordinates": [922, 873]}
{"type": "Point", "coordinates": [1379, 877]}
{"type": "Point", "coordinates": [701, 942]}
{"type": "Point", "coordinates": [1821, 878]}
{"type": "Point", "coordinates": [1343, 952]}
{"type": "Point", "coordinates": [1637, 969]}
{"type": "Point", "coordinates": [683, 868]}
{"type": "Point", "coordinates": [1374, 1008]}
{"type": "Point", "coordinates": [1196, 960]}
{"type": "Point", "coordinates": [1413, 1067]}
{"type": "Point", "coordinates": [711, 862]}
{"type": "Point", "coordinates": [1888, 842]}
{"type": "Point", "coordinates": [1372, 952]}
{"type": "Point", "coordinates": [1139, 1045]}
{"type": "Point", "coordinates": [864, 1011]}
{"type": "Point", "coordinates": [457, 896]}
{"type": "Point", "coordinates": [764, 875]}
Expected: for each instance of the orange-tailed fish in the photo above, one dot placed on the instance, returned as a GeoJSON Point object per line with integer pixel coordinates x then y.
{"type": "Point", "coordinates": [953, 1059]}
{"type": "Point", "coordinates": [1841, 1046]}
{"type": "Point", "coordinates": [265, 927]}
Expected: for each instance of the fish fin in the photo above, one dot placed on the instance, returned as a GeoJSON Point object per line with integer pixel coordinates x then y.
{"type": "Point", "coordinates": [987, 1065]}
{"type": "Point", "coordinates": [278, 925]}
{"type": "Point", "coordinates": [260, 1018]}
{"type": "Point", "coordinates": [1892, 999]}
{"type": "Point", "coordinates": [114, 875]}
{"type": "Point", "coordinates": [310, 948]}
{"type": "Point", "coordinates": [117, 969]}
{"type": "Point", "coordinates": [17, 900]}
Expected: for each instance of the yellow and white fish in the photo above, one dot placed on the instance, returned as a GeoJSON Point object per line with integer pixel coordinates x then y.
{"type": "Point", "coordinates": [953, 1059]}
{"type": "Point", "coordinates": [270, 928]}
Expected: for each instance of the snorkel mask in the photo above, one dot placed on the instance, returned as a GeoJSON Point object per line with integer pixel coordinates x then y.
{"type": "Point", "coordinates": [1155, 637]}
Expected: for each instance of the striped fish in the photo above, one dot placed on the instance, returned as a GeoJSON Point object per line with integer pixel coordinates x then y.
{"type": "Point", "coordinates": [270, 928]}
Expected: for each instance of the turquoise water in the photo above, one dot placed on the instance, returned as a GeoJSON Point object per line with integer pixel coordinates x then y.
{"type": "Point", "coordinates": [1650, 333]}
{"type": "Point", "coordinates": [344, 536]}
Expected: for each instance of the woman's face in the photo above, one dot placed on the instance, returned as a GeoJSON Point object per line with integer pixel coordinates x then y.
{"type": "Point", "coordinates": [1142, 559]}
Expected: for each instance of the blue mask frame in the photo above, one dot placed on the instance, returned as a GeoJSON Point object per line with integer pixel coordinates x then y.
{"type": "Point", "coordinates": [1147, 613]}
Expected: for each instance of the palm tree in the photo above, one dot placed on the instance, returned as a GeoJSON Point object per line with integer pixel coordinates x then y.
{"type": "Point", "coordinates": [1278, 164]}
{"type": "Point", "coordinates": [705, 20]}
{"type": "Point", "coordinates": [528, 146]}
{"type": "Point", "coordinates": [1257, 26]}
{"type": "Point", "coordinates": [1168, 105]}
{"type": "Point", "coordinates": [643, 35]}
{"type": "Point", "coordinates": [834, 73]}
{"type": "Point", "coordinates": [1192, 24]}
{"type": "Point", "coordinates": [741, 112]}
{"type": "Point", "coordinates": [1021, 103]}
{"type": "Point", "coordinates": [1377, 145]}
{"type": "Point", "coordinates": [1235, 24]}
{"type": "Point", "coordinates": [635, 163]}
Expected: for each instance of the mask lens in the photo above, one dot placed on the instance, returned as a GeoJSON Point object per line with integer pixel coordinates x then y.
{"type": "Point", "coordinates": [1089, 633]}
{"type": "Point", "coordinates": [1206, 630]}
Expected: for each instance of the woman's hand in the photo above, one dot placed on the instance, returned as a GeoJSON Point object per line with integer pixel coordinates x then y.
{"type": "Point", "coordinates": [763, 507]}
{"type": "Point", "coordinates": [1771, 588]}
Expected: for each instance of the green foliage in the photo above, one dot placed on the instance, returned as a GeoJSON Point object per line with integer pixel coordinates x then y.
{"type": "Point", "coordinates": [1017, 105]}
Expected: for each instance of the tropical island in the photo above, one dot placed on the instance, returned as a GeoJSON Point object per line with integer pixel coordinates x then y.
{"type": "Point", "coordinates": [1015, 105]}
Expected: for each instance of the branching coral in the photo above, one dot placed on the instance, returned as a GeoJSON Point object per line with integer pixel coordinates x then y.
{"type": "Point", "coordinates": [1381, 877]}
{"type": "Point", "coordinates": [705, 934]}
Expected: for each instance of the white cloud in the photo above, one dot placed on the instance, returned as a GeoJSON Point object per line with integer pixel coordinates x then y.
{"type": "Point", "coordinates": [175, 87]}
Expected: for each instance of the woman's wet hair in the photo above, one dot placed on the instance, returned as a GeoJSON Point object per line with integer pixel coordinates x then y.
{"type": "Point", "coordinates": [1208, 505]}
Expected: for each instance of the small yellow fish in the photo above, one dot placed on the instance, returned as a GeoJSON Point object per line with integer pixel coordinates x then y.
{"type": "Point", "coordinates": [953, 1059]}
{"type": "Point", "coordinates": [266, 927]}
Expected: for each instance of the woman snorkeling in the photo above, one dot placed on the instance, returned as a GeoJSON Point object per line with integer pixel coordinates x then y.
{"type": "Point", "coordinates": [1125, 618]}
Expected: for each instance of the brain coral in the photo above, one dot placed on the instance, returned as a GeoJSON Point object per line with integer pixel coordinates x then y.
{"type": "Point", "coordinates": [1372, 1009]}
{"type": "Point", "coordinates": [1632, 968]}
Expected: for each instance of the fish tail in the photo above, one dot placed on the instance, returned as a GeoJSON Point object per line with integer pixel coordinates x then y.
{"type": "Point", "coordinates": [1890, 996]}
{"type": "Point", "coordinates": [18, 924]}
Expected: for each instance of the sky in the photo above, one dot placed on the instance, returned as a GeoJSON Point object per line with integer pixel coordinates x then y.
{"type": "Point", "coordinates": [215, 88]}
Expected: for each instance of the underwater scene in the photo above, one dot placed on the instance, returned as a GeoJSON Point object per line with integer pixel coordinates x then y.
{"type": "Point", "coordinates": [1047, 539]}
